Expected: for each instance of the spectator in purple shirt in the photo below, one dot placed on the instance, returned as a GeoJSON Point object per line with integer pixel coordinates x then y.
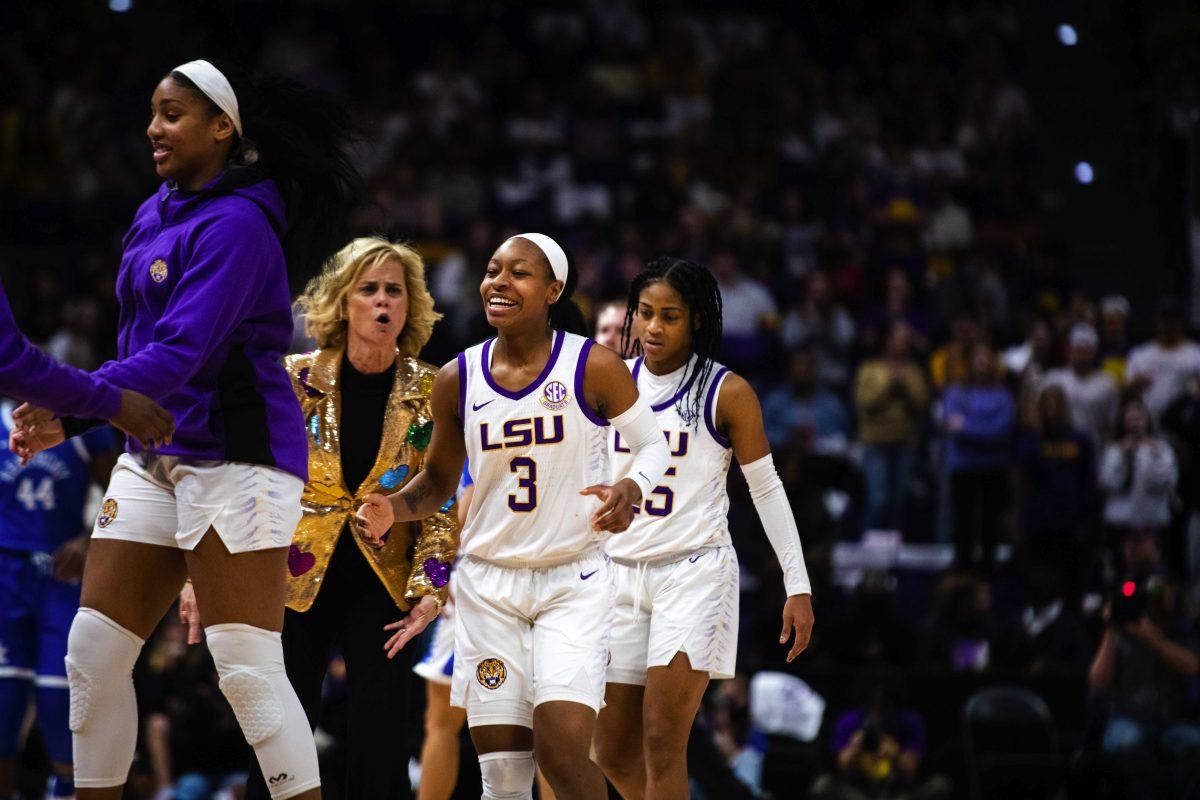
{"type": "Point", "coordinates": [878, 747]}
{"type": "Point", "coordinates": [977, 420]}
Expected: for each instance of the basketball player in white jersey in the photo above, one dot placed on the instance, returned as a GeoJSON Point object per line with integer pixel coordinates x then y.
{"type": "Point", "coordinates": [677, 574]}
{"type": "Point", "coordinates": [532, 409]}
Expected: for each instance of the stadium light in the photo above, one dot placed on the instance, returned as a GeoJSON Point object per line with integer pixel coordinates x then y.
{"type": "Point", "coordinates": [1068, 35]}
{"type": "Point", "coordinates": [1084, 173]}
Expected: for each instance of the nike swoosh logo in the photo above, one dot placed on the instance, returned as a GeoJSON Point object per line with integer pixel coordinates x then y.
{"type": "Point", "coordinates": [481, 405]}
{"type": "Point", "coordinates": [697, 557]}
{"type": "Point", "coordinates": [583, 577]}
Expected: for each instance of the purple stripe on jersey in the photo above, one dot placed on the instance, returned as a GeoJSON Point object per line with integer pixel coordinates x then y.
{"type": "Point", "coordinates": [710, 408]}
{"type": "Point", "coordinates": [462, 389]}
{"type": "Point", "coordinates": [486, 366]}
{"type": "Point", "coordinates": [580, 397]}
{"type": "Point", "coordinates": [665, 404]}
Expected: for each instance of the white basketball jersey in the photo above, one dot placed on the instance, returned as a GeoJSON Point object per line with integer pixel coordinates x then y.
{"type": "Point", "coordinates": [531, 452]}
{"type": "Point", "coordinates": [690, 508]}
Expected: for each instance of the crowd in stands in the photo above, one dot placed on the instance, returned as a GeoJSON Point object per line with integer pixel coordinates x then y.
{"type": "Point", "coordinates": [996, 475]}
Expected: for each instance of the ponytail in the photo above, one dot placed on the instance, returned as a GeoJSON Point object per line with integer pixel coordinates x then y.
{"type": "Point", "coordinates": [297, 137]}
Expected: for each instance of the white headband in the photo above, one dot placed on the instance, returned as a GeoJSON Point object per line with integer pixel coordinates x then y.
{"type": "Point", "coordinates": [215, 86]}
{"type": "Point", "coordinates": [554, 254]}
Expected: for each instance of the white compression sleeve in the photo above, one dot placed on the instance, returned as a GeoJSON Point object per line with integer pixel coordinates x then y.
{"type": "Point", "coordinates": [775, 513]}
{"type": "Point", "coordinates": [651, 456]}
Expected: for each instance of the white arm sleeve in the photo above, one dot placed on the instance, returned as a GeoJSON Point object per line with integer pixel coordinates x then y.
{"type": "Point", "coordinates": [651, 456]}
{"type": "Point", "coordinates": [775, 513]}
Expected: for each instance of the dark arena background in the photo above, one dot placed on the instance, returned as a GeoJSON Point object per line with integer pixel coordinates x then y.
{"type": "Point", "coordinates": [942, 188]}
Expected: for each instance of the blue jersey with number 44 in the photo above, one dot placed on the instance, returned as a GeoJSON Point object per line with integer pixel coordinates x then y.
{"type": "Point", "coordinates": [41, 504]}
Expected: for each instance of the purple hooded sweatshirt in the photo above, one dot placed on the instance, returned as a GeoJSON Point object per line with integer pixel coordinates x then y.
{"type": "Point", "coordinates": [29, 375]}
{"type": "Point", "coordinates": [206, 318]}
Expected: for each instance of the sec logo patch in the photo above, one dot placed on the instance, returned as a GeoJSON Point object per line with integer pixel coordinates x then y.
{"type": "Point", "coordinates": [554, 396]}
{"type": "Point", "coordinates": [491, 673]}
{"type": "Point", "coordinates": [108, 512]}
{"type": "Point", "coordinates": [158, 270]}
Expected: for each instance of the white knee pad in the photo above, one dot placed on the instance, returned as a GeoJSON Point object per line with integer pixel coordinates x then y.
{"type": "Point", "coordinates": [507, 775]}
{"type": "Point", "coordinates": [249, 662]}
{"type": "Point", "coordinates": [103, 716]}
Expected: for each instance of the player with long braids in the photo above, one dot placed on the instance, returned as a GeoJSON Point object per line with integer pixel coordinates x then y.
{"type": "Point", "coordinates": [677, 574]}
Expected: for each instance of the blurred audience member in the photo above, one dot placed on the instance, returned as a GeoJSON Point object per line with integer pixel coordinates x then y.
{"type": "Point", "coordinates": [1091, 393]}
{"type": "Point", "coordinates": [1144, 670]}
{"type": "Point", "coordinates": [1049, 639]}
{"type": "Point", "coordinates": [750, 313]}
{"type": "Point", "coordinates": [1137, 472]}
{"type": "Point", "coordinates": [965, 636]}
{"type": "Point", "coordinates": [977, 419]}
{"type": "Point", "coordinates": [1114, 337]}
{"type": "Point", "coordinates": [951, 363]}
{"type": "Point", "coordinates": [1028, 362]}
{"type": "Point", "coordinates": [802, 414]}
{"type": "Point", "coordinates": [819, 323]}
{"type": "Point", "coordinates": [609, 321]}
{"type": "Point", "coordinates": [879, 745]}
{"type": "Point", "coordinates": [1056, 490]}
{"type": "Point", "coordinates": [1159, 368]}
{"type": "Point", "coordinates": [897, 307]}
{"type": "Point", "coordinates": [891, 396]}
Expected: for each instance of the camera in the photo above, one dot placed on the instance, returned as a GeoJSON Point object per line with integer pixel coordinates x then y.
{"type": "Point", "coordinates": [1128, 603]}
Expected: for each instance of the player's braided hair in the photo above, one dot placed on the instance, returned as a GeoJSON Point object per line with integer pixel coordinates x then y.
{"type": "Point", "coordinates": [699, 291]}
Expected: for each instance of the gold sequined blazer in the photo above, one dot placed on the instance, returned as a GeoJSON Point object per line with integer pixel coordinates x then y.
{"type": "Point", "coordinates": [329, 504]}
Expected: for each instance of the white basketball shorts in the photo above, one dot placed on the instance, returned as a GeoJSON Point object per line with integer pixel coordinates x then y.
{"type": "Point", "coordinates": [686, 605]}
{"type": "Point", "coordinates": [527, 636]}
{"type": "Point", "coordinates": [165, 501]}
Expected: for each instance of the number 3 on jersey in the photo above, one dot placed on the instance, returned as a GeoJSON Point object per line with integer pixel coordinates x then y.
{"type": "Point", "coordinates": [526, 470]}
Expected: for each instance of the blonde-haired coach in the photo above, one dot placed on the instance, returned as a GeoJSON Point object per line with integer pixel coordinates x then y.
{"type": "Point", "coordinates": [365, 397]}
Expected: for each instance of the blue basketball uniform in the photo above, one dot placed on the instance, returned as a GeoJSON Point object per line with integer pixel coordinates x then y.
{"type": "Point", "coordinates": [41, 507]}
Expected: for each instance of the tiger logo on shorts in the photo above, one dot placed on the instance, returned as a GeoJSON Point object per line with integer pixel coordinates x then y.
{"type": "Point", "coordinates": [491, 673]}
{"type": "Point", "coordinates": [158, 270]}
{"type": "Point", "coordinates": [108, 512]}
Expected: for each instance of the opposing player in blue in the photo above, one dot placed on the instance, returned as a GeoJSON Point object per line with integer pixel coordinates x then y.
{"type": "Point", "coordinates": [43, 540]}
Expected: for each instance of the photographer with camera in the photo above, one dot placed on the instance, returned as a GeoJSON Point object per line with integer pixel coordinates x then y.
{"type": "Point", "coordinates": [1143, 669]}
{"type": "Point", "coordinates": [879, 747]}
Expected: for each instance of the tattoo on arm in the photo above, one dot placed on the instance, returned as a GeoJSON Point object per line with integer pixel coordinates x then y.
{"type": "Point", "coordinates": [414, 495]}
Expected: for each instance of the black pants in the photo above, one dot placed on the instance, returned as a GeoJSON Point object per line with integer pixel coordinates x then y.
{"type": "Point", "coordinates": [979, 497]}
{"type": "Point", "coordinates": [349, 613]}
